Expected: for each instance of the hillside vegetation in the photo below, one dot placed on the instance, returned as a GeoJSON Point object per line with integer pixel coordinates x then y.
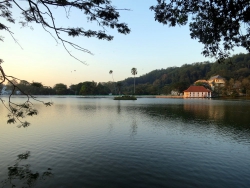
{"type": "Point", "coordinates": [236, 71]}
{"type": "Point", "coordinates": [180, 78]}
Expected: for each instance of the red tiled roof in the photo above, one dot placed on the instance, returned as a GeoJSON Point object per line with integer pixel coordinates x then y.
{"type": "Point", "coordinates": [197, 89]}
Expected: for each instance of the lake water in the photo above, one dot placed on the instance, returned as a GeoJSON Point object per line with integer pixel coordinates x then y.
{"type": "Point", "coordinates": [99, 142]}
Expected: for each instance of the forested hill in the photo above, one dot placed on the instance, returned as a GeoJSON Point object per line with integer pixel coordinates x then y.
{"type": "Point", "coordinates": [235, 70]}
{"type": "Point", "coordinates": [237, 67]}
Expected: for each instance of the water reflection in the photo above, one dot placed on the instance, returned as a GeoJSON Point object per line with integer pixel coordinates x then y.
{"type": "Point", "coordinates": [224, 118]}
{"type": "Point", "coordinates": [147, 143]}
{"type": "Point", "coordinates": [118, 107]}
{"type": "Point", "coordinates": [133, 128]}
{"type": "Point", "coordinates": [226, 113]}
{"type": "Point", "coordinates": [87, 108]}
{"type": "Point", "coordinates": [20, 174]}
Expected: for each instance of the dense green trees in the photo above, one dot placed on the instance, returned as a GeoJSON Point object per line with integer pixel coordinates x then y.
{"type": "Point", "coordinates": [60, 88]}
{"type": "Point", "coordinates": [89, 88]}
{"type": "Point", "coordinates": [82, 88]}
{"type": "Point", "coordinates": [34, 88]}
{"type": "Point", "coordinates": [246, 85]}
{"type": "Point", "coordinates": [102, 89]}
{"type": "Point", "coordinates": [119, 87]}
{"type": "Point", "coordinates": [162, 81]}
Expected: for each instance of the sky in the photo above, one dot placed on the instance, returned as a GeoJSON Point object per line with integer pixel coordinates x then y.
{"type": "Point", "coordinates": [149, 46]}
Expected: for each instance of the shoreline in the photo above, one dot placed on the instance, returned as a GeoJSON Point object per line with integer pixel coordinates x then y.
{"type": "Point", "coordinates": [169, 96]}
{"type": "Point", "coordinates": [112, 96]}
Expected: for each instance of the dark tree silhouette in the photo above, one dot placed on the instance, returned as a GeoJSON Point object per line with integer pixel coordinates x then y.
{"type": "Point", "coordinates": [219, 25]}
{"type": "Point", "coordinates": [134, 72]}
{"type": "Point", "coordinates": [19, 111]}
{"type": "Point", "coordinates": [42, 13]}
{"type": "Point", "coordinates": [111, 72]}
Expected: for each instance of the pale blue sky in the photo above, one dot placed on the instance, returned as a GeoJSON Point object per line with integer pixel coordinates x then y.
{"type": "Point", "coordinates": [149, 46]}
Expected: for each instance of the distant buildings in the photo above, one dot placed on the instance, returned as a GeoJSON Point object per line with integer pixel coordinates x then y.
{"type": "Point", "coordinates": [203, 88]}
{"type": "Point", "coordinates": [4, 91]}
{"type": "Point", "coordinates": [200, 89]}
{"type": "Point", "coordinates": [213, 82]}
{"type": "Point", "coordinates": [216, 81]}
{"type": "Point", "coordinates": [197, 92]}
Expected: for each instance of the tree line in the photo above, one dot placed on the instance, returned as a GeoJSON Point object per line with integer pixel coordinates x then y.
{"type": "Point", "coordinates": [37, 88]}
{"type": "Point", "coordinates": [236, 71]}
{"type": "Point", "coordinates": [162, 81]}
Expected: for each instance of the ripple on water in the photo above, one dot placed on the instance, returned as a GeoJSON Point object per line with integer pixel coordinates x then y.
{"type": "Point", "coordinates": [98, 143]}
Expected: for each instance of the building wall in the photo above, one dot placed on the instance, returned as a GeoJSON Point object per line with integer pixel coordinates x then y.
{"type": "Point", "coordinates": [197, 94]}
{"type": "Point", "coordinates": [216, 82]}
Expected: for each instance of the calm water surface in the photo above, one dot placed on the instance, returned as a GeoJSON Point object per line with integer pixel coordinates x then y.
{"type": "Point", "coordinates": [99, 142]}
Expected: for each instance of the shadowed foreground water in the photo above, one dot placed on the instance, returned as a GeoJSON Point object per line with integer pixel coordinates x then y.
{"type": "Point", "coordinates": [145, 143]}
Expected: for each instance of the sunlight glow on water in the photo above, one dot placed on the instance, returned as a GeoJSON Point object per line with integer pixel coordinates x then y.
{"type": "Point", "coordinates": [144, 143]}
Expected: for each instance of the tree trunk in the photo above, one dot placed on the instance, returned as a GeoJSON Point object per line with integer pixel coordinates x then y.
{"type": "Point", "coordinates": [134, 84]}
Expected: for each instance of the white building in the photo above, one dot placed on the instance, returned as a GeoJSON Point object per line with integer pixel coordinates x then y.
{"type": "Point", "coordinates": [197, 92]}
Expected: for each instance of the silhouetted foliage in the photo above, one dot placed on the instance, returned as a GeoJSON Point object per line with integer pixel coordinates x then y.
{"type": "Point", "coordinates": [20, 175]}
{"type": "Point", "coordinates": [36, 84]}
{"type": "Point", "coordinates": [218, 25]}
{"type": "Point", "coordinates": [42, 13]}
{"type": "Point", "coordinates": [61, 89]}
{"type": "Point", "coordinates": [18, 110]}
{"type": "Point", "coordinates": [119, 86]}
{"type": "Point", "coordinates": [134, 72]}
{"type": "Point", "coordinates": [111, 72]}
{"type": "Point", "coordinates": [89, 88]}
{"type": "Point", "coordinates": [35, 88]}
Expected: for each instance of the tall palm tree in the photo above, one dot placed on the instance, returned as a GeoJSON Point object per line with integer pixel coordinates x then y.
{"type": "Point", "coordinates": [111, 72]}
{"type": "Point", "coordinates": [134, 72]}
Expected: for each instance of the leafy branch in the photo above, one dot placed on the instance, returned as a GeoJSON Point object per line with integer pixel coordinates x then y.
{"type": "Point", "coordinates": [216, 24]}
{"type": "Point", "coordinates": [41, 12]}
{"type": "Point", "coordinates": [18, 111]}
